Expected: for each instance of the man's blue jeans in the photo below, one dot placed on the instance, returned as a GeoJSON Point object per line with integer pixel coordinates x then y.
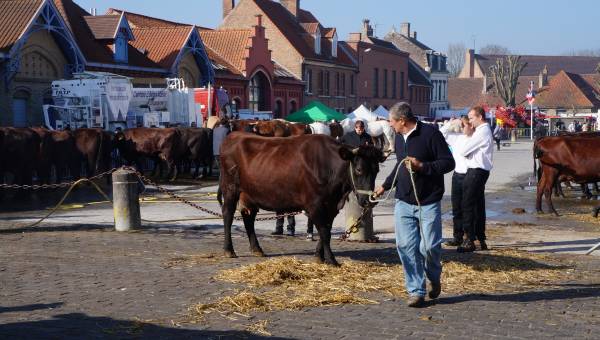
{"type": "Point", "coordinates": [420, 251]}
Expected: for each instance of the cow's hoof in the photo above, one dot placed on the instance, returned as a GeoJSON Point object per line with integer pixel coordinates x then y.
{"type": "Point", "coordinates": [258, 253]}
{"type": "Point", "coordinates": [230, 254]}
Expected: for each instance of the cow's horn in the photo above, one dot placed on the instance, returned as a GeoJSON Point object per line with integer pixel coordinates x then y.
{"type": "Point", "coordinates": [355, 151]}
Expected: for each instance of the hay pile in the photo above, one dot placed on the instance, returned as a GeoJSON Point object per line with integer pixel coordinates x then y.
{"type": "Point", "coordinates": [287, 283]}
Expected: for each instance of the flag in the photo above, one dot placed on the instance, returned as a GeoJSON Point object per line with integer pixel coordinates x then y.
{"type": "Point", "coordinates": [531, 94]}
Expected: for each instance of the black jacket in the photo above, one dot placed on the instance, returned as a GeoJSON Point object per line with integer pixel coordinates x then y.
{"type": "Point", "coordinates": [427, 145]}
{"type": "Point", "coordinates": [353, 139]}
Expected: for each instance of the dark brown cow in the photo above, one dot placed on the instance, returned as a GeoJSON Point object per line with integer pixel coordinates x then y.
{"type": "Point", "coordinates": [310, 173]}
{"type": "Point", "coordinates": [57, 149]}
{"type": "Point", "coordinates": [241, 125]}
{"type": "Point", "coordinates": [20, 152]}
{"type": "Point", "coordinates": [337, 130]}
{"type": "Point", "coordinates": [299, 129]}
{"type": "Point", "coordinates": [197, 148]}
{"type": "Point", "coordinates": [272, 128]}
{"type": "Point", "coordinates": [154, 143]}
{"type": "Point", "coordinates": [576, 158]}
{"type": "Point", "coordinates": [94, 147]}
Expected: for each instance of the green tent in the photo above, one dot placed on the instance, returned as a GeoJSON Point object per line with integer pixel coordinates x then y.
{"type": "Point", "coordinates": [315, 112]}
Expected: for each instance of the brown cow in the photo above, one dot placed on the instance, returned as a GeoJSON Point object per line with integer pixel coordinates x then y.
{"type": "Point", "coordinates": [272, 128]}
{"type": "Point", "coordinates": [299, 129]}
{"type": "Point", "coordinates": [20, 152]}
{"type": "Point", "coordinates": [94, 147]}
{"type": "Point", "coordinates": [257, 173]}
{"type": "Point", "coordinates": [337, 130]}
{"type": "Point", "coordinates": [197, 148]}
{"type": "Point", "coordinates": [242, 125]}
{"type": "Point", "coordinates": [57, 149]}
{"type": "Point", "coordinates": [154, 143]}
{"type": "Point", "coordinates": [576, 158]}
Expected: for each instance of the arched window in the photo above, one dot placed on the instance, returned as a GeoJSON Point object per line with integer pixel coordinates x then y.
{"type": "Point", "coordinates": [293, 106]}
{"type": "Point", "coordinates": [278, 109]}
{"type": "Point", "coordinates": [259, 91]}
{"type": "Point", "coordinates": [20, 104]}
{"type": "Point", "coordinates": [318, 41]}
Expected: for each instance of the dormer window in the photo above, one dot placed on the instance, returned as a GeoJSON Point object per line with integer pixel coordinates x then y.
{"type": "Point", "coordinates": [121, 48]}
{"type": "Point", "coordinates": [318, 41]}
{"type": "Point", "coordinates": [334, 46]}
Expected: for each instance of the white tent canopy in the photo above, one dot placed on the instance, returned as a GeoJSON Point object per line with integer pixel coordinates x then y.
{"type": "Point", "coordinates": [381, 112]}
{"type": "Point", "coordinates": [362, 113]}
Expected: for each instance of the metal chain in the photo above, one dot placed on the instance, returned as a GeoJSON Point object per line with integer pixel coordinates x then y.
{"type": "Point", "coordinates": [54, 186]}
{"type": "Point", "coordinates": [196, 206]}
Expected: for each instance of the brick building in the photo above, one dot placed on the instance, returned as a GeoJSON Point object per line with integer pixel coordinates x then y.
{"type": "Point", "coordinates": [564, 84]}
{"type": "Point", "coordinates": [431, 62]}
{"type": "Point", "coordinates": [383, 69]}
{"type": "Point", "coordinates": [301, 45]}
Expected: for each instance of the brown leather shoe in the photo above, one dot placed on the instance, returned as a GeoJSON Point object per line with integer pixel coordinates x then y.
{"type": "Point", "coordinates": [415, 301]}
{"type": "Point", "coordinates": [436, 290]}
{"type": "Point", "coordinates": [467, 247]}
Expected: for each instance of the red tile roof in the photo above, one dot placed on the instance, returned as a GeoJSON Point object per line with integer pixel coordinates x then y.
{"type": "Point", "coordinates": [292, 29]}
{"type": "Point", "coordinates": [310, 27]}
{"type": "Point", "coordinates": [230, 45]}
{"type": "Point", "coordinates": [536, 63]}
{"type": "Point", "coordinates": [103, 26]}
{"type": "Point", "coordinates": [163, 44]}
{"type": "Point", "coordinates": [143, 21]}
{"type": "Point", "coordinates": [564, 90]}
{"type": "Point", "coordinates": [16, 14]}
{"type": "Point", "coordinates": [94, 50]}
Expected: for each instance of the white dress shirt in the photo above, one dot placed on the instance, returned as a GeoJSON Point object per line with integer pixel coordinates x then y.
{"type": "Point", "coordinates": [478, 148]}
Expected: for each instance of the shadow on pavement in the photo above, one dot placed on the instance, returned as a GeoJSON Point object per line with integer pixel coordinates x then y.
{"type": "Point", "coordinates": [546, 295]}
{"type": "Point", "coordinates": [29, 308]}
{"type": "Point", "coordinates": [82, 326]}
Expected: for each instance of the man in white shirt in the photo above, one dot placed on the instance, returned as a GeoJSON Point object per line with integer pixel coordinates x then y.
{"type": "Point", "coordinates": [478, 151]}
{"type": "Point", "coordinates": [453, 132]}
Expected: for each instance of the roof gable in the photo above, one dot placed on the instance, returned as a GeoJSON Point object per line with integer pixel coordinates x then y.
{"type": "Point", "coordinates": [536, 63]}
{"type": "Point", "coordinates": [162, 45]}
{"type": "Point", "coordinates": [230, 45]}
{"type": "Point", "coordinates": [16, 17]}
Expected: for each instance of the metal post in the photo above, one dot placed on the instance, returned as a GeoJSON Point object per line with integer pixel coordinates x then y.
{"type": "Point", "coordinates": [352, 211]}
{"type": "Point", "coordinates": [126, 205]}
{"type": "Point", "coordinates": [531, 127]}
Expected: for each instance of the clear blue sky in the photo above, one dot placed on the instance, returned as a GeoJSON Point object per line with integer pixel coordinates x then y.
{"type": "Point", "coordinates": [547, 27]}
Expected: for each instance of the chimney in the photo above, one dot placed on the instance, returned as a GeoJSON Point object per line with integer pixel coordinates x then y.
{"type": "Point", "coordinates": [470, 62]}
{"type": "Point", "coordinates": [484, 90]}
{"type": "Point", "coordinates": [414, 35]}
{"type": "Point", "coordinates": [543, 79]}
{"type": "Point", "coordinates": [228, 6]}
{"type": "Point", "coordinates": [293, 6]}
{"type": "Point", "coordinates": [367, 29]}
{"type": "Point", "coordinates": [354, 37]}
{"type": "Point", "coordinates": [405, 29]}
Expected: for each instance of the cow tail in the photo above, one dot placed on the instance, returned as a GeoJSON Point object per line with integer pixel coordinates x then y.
{"type": "Point", "coordinates": [99, 151]}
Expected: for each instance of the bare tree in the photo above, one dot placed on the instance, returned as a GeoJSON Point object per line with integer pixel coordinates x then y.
{"type": "Point", "coordinates": [598, 68]}
{"type": "Point", "coordinates": [584, 53]}
{"type": "Point", "coordinates": [505, 74]}
{"type": "Point", "coordinates": [494, 49]}
{"type": "Point", "coordinates": [456, 58]}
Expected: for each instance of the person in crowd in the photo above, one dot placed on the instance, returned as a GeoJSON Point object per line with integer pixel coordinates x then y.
{"type": "Point", "coordinates": [478, 150]}
{"type": "Point", "coordinates": [220, 132]}
{"type": "Point", "coordinates": [358, 136]}
{"type": "Point", "coordinates": [454, 134]}
{"type": "Point", "coordinates": [423, 159]}
{"type": "Point", "coordinates": [498, 133]}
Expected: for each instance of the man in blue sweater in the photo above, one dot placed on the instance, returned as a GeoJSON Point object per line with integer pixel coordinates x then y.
{"type": "Point", "coordinates": [423, 159]}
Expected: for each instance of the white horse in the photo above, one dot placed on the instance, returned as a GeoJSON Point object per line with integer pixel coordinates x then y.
{"type": "Point", "coordinates": [319, 128]}
{"type": "Point", "coordinates": [375, 128]}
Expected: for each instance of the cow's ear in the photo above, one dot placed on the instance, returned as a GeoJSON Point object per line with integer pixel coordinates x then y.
{"type": "Point", "coordinates": [346, 153]}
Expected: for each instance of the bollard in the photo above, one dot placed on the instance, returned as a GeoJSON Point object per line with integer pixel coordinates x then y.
{"type": "Point", "coordinates": [513, 135]}
{"type": "Point", "coordinates": [126, 204]}
{"type": "Point", "coordinates": [352, 211]}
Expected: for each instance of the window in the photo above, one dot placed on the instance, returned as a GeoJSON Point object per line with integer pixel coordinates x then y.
{"type": "Point", "coordinates": [293, 106]}
{"type": "Point", "coordinates": [318, 41]}
{"type": "Point", "coordinates": [120, 49]}
{"type": "Point", "coordinates": [401, 85]}
{"type": "Point", "coordinates": [256, 99]}
{"type": "Point", "coordinates": [439, 87]}
{"type": "Point", "coordinates": [394, 85]}
{"type": "Point", "coordinates": [343, 84]}
{"type": "Point", "coordinates": [327, 83]}
{"type": "Point", "coordinates": [308, 76]}
{"type": "Point", "coordinates": [337, 84]}
{"type": "Point", "coordinates": [334, 46]}
{"type": "Point", "coordinates": [352, 88]}
{"type": "Point", "coordinates": [385, 83]}
{"type": "Point", "coordinates": [376, 83]}
{"type": "Point", "coordinates": [321, 83]}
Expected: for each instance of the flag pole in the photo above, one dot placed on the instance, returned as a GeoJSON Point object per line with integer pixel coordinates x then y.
{"type": "Point", "coordinates": [531, 125]}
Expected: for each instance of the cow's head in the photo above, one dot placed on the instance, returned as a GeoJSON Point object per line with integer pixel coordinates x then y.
{"type": "Point", "coordinates": [364, 166]}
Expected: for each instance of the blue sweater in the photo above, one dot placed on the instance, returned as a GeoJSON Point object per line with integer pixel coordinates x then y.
{"type": "Point", "coordinates": [427, 145]}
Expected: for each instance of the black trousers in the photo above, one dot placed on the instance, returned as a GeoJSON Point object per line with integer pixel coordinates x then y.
{"type": "Point", "coordinates": [497, 140]}
{"type": "Point", "coordinates": [457, 210]}
{"type": "Point", "coordinates": [473, 203]}
{"type": "Point", "coordinates": [291, 223]}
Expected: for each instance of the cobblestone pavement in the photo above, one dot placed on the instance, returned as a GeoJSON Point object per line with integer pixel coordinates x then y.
{"type": "Point", "coordinates": [92, 282]}
{"type": "Point", "coordinates": [73, 277]}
